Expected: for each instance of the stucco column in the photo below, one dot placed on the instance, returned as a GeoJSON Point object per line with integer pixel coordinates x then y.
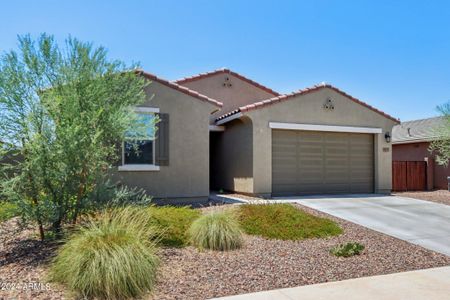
{"type": "Point", "coordinates": [383, 164]}
{"type": "Point", "coordinates": [262, 158]}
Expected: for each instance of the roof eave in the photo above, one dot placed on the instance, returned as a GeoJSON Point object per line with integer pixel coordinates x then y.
{"type": "Point", "coordinates": [305, 91]}
{"type": "Point", "coordinates": [229, 118]}
{"type": "Point", "coordinates": [181, 89]}
{"type": "Point", "coordinates": [412, 141]}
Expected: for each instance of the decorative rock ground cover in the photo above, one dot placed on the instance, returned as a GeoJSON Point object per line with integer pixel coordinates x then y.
{"type": "Point", "coordinates": [439, 196]}
{"type": "Point", "coordinates": [187, 273]}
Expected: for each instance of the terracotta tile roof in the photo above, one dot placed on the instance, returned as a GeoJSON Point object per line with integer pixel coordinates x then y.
{"type": "Point", "coordinates": [417, 130]}
{"type": "Point", "coordinates": [180, 88]}
{"type": "Point", "coordinates": [282, 98]}
{"type": "Point", "coordinates": [226, 71]}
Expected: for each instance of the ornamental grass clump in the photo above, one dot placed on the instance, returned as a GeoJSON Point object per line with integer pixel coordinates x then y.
{"type": "Point", "coordinates": [111, 257]}
{"type": "Point", "coordinates": [216, 230]}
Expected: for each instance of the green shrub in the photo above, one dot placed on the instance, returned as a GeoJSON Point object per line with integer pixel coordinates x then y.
{"type": "Point", "coordinates": [7, 211]}
{"type": "Point", "coordinates": [284, 222]}
{"type": "Point", "coordinates": [174, 223]}
{"type": "Point", "coordinates": [348, 249]}
{"type": "Point", "coordinates": [216, 230]}
{"type": "Point", "coordinates": [112, 257]}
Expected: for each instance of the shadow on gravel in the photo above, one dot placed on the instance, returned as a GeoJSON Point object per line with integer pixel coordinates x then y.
{"type": "Point", "coordinates": [28, 252]}
{"type": "Point", "coordinates": [18, 246]}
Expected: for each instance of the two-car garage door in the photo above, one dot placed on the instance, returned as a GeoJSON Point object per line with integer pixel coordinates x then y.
{"type": "Point", "coordinates": [313, 162]}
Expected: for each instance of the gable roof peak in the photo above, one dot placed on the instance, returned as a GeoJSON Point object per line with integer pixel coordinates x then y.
{"type": "Point", "coordinates": [224, 70]}
{"type": "Point", "coordinates": [281, 98]}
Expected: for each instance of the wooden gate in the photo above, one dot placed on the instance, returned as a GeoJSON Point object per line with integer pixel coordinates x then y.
{"type": "Point", "coordinates": [409, 176]}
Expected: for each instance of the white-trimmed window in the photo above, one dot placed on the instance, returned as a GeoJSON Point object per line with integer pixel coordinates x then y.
{"type": "Point", "coordinates": [139, 154]}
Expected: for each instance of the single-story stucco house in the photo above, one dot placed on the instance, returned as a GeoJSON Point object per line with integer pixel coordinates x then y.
{"type": "Point", "coordinates": [410, 144]}
{"type": "Point", "coordinates": [221, 130]}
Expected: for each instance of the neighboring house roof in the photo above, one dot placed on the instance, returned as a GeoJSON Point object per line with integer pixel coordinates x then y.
{"type": "Point", "coordinates": [285, 97]}
{"type": "Point", "coordinates": [180, 88]}
{"type": "Point", "coordinates": [416, 131]}
{"type": "Point", "coordinates": [226, 71]}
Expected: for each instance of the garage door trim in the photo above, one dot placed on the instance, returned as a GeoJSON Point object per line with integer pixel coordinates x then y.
{"type": "Point", "coordinates": [327, 128]}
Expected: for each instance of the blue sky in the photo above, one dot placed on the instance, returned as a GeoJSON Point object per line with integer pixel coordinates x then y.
{"type": "Point", "coordinates": [395, 55]}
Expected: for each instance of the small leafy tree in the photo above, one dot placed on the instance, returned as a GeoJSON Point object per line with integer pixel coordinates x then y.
{"type": "Point", "coordinates": [62, 112]}
{"type": "Point", "coordinates": [441, 145]}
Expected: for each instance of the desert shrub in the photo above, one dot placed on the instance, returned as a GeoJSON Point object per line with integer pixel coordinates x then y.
{"type": "Point", "coordinates": [217, 230]}
{"type": "Point", "coordinates": [441, 144]}
{"type": "Point", "coordinates": [348, 249]}
{"type": "Point", "coordinates": [174, 223]}
{"type": "Point", "coordinates": [284, 222]}
{"type": "Point", "coordinates": [59, 138]}
{"type": "Point", "coordinates": [109, 194]}
{"type": "Point", "coordinates": [7, 210]}
{"type": "Point", "coordinates": [111, 257]}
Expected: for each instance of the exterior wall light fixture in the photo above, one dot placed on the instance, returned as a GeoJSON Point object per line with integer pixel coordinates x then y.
{"type": "Point", "coordinates": [387, 137]}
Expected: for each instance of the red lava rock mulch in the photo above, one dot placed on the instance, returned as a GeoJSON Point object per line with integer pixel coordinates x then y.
{"type": "Point", "coordinates": [439, 196]}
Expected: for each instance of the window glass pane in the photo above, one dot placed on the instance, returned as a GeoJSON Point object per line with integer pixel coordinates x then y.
{"type": "Point", "coordinates": [138, 153]}
{"type": "Point", "coordinates": [144, 128]}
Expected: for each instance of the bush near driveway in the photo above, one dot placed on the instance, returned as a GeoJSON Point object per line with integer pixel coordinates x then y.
{"type": "Point", "coordinates": [284, 222]}
{"type": "Point", "coordinates": [173, 222]}
{"type": "Point", "coordinates": [347, 250]}
{"type": "Point", "coordinates": [112, 257]}
{"type": "Point", "coordinates": [217, 230]}
{"type": "Point", "coordinates": [7, 211]}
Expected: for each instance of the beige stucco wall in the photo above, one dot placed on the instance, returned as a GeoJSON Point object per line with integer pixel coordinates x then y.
{"type": "Point", "coordinates": [240, 93]}
{"type": "Point", "coordinates": [187, 175]}
{"type": "Point", "coordinates": [232, 160]}
{"type": "Point", "coordinates": [308, 109]}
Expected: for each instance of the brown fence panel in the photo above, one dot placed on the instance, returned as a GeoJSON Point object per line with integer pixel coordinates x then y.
{"type": "Point", "coordinates": [416, 175]}
{"type": "Point", "coordinates": [409, 176]}
{"type": "Point", "coordinates": [399, 181]}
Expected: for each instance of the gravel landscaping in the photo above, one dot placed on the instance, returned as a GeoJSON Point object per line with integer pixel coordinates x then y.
{"type": "Point", "coordinates": [439, 196]}
{"type": "Point", "coordinates": [187, 273]}
{"type": "Point", "coordinates": [22, 264]}
{"type": "Point", "coordinates": [270, 264]}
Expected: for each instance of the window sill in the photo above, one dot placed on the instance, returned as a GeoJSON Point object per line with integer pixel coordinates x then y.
{"type": "Point", "coordinates": [138, 168]}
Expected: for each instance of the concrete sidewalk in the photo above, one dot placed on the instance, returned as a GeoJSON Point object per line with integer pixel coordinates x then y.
{"type": "Point", "coordinates": [416, 285]}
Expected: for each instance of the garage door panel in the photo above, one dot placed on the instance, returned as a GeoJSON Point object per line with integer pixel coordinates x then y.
{"type": "Point", "coordinates": [284, 164]}
{"type": "Point", "coordinates": [317, 179]}
{"type": "Point", "coordinates": [336, 172]}
{"type": "Point", "coordinates": [361, 188]}
{"type": "Point", "coordinates": [361, 160]}
{"type": "Point", "coordinates": [310, 151]}
{"type": "Point", "coordinates": [338, 187]}
{"type": "Point", "coordinates": [307, 162]}
{"type": "Point", "coordinates": [336, 164]}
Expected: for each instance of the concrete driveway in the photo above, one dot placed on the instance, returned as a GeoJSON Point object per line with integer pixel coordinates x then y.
{"type": "Point", "coordinates": [419, 222]}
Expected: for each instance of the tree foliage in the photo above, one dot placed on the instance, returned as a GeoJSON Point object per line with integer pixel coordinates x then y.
{"type": "Point", "coordinates": [441, 144]}
{"type": "Point", "coordinates": [62, 111]}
